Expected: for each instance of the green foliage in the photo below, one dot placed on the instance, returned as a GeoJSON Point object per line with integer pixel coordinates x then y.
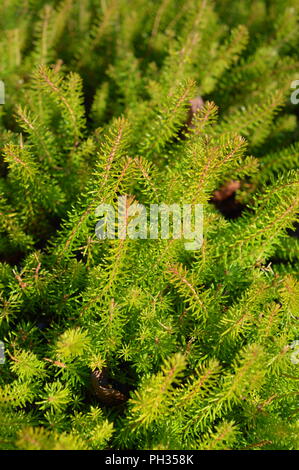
{"type": "Point", "coordinates": [187, 349]}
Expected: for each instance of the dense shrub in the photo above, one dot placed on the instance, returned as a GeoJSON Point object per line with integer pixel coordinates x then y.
{"type": "Point", "coordinates": [142, 344]}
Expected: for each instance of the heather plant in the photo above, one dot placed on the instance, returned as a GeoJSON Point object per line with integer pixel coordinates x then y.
{"type": "Point", "coordinates": [125, 343]}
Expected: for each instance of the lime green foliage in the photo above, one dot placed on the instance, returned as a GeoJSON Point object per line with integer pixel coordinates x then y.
{"type": "Point", "coordinates": [202, 342]}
